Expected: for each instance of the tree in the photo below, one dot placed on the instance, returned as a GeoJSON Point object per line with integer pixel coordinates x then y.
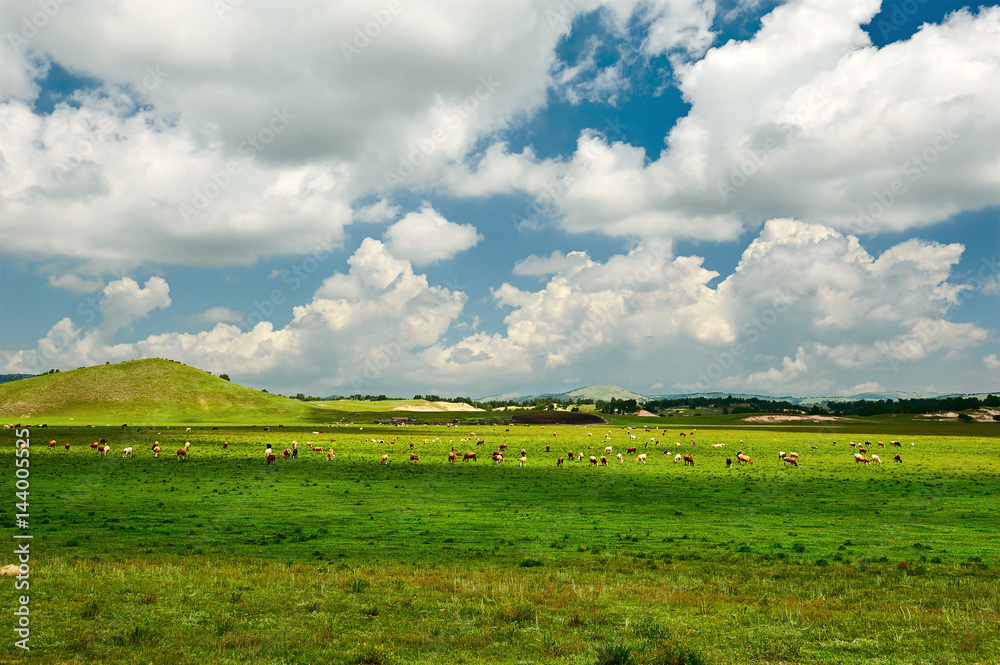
{"type": "Point", "coordinates": [224, 377]}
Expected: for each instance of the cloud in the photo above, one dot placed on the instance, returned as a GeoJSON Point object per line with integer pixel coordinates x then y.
{"type": "Point", "coordinates": [380, 211]}
{"type": "Point", "coordinates": [426, 237]}
{"type": "Point", "coordinates": [991, 362]}
{"type": "Point", "coordinates": [217, 315]}
{"type": "Point", "coordinates": [801, 122]}
{"type": "Point", "coordinates": [75, 283]}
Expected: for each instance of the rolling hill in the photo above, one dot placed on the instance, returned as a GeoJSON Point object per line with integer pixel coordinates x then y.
{"type": "Point", "coordinates": [149, 391]}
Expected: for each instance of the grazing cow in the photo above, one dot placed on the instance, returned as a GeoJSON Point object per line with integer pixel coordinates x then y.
{"type": "Point", "coordinates": [896, 458]}
{"type": "Point", "coordinates": [781, 454]}
{"type": "Point", "coordinates": [743, 459]}
{"type": "Point", "coordinates": [729, 462]}
{"type": "Point", "coordinates": [858, 458]}
{"type": "Point", "coordinates": [718, 445]}
{"type": "Point", "coordinates": [677, 458]}
{"type": "Point", "coordinates": [607, 450]}
{"type": "Point", "coordinates": [791, 461]}
{"type": "Point", "coordinates": [523, 461]}
{"type": "Point", "coordinates": [498, 459]}
{"type": "Point", "coordinates": [688, 460]}
{"type": "Point", "coordinates": [384, 460]}
{"type": "Point", "coordinates": [181, 454]}
{"type": "Point", "coordinates": [287, 453]}
{"type": "Point", "coordinates": [52, 444]}
{"type": "Point", "coordinates": [414, 458]}
{"type": "Point", "coordinates": [641, 458]}
{"type": "Point", "coordinates": [559, 462]}
{"type": "Point", "coordinates": [104, 450]}
{"type": "Point", "coordinates": [630, 450]}
{"type": "Point", "coordinates": [881, 445]}
{"type": "Point", "coordinates": [94, 445]}
{"type": "Point", "coordinates": [524, 453]}
{"type": "Point", "coordinates": [127, 452]}
{"type": "Point", "coordinates": [632, 437]}
{"type": "Point", "coordinates": [67, 448]}
{"type": "Point", "coordinates": [793, 454]}
{"type": "Point", "coordinates": [570, 455]}
{"type": "Point", "coordinates": [604, 460]}
{"type": "Point", "coordinates": [896, 443]}
{"type": "Point", "coordinates": [911, 446]}
{"type": "Point", "coordinates": [503, 447]}
{"type": "Point", "coordinates": [579, 457]}
{"type": "Point", "coordinates": [187, 445]}
{"type": "Point", "coordinates": [156, 450]}
{"type": "Point", "coordinates": [593, 461]}
{"type": "Point", "coordinates": [103, 440]}
{"type": "Point", "coordinates": [271, 458]}
{"type": "Point", "coordinates": [546, 448]}
{"type": "Point", "coordinates": [480, 442]}
{"type": "Point", "coordinates": [682, 434]}
{"type": "Point", "coordinates": [469, 456]}
{"type": "Point", "coordinates": [620, 458]}
{"type": "Point", "coordinates": [452, 458]}
{"type": "Point", "coordinates": [225, 445]}
{"type": "Point", "coordinates": [862, 450]}
{"type": "Point", "coordinates": [330, 454]}
{"type": "Point", "coordinates": [876, 459]}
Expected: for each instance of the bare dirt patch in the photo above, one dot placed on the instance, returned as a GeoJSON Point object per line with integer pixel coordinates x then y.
{"type": "Point", "coordinates": [646, 414]}
{"type": "Point", "coordinates": [781, 418]}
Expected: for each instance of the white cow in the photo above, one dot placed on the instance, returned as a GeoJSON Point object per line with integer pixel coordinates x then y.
{"type": "Point", "coordinates": [677, 458]}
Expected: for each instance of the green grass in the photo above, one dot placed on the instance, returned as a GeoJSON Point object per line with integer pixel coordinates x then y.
{"type": "Point", "coordinates": [221, 558]}
{"type": "Point", "coordinates": [161, 391]}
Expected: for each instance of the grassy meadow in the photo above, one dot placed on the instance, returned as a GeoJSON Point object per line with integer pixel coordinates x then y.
{"type": "Point", "coordinates": [221, 558]}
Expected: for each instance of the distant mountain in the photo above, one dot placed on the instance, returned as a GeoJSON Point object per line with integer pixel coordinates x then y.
{"type": "Point", "coordinates": [605, 393]}
{"type": "Point", "coordinates": [504, 397]}
{"type": "Point", "coordinates": [7, 378]}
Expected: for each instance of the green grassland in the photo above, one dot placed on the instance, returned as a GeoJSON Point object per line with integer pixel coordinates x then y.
{"type": "Point", "coordinates": [221, 558]}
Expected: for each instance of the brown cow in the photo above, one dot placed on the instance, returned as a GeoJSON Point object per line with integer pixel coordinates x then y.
{"type": "Point", "coordinates": [593, 460]}
{"type": "Point", "coordinates": [604, 460]}
{"type": "Point", "coordinates": [503, 447]}
{"type": "Point", "coordinates": [743, 459]}
{"type": "Point", "coordinates": [414, 458]}
{"type": "Point", "coordinates": [452, 458]}
{"type": "Point", "coordinates": [858, 458]}
{"type": "Point", "coordinates": [67, 448]}
{"type": "Point", "coordinates": [792, 461]}
{"type": "Point", "coordinates": [52, 444]}
{"type": "Point", "coordinates": [547, 449]}
{"type": "Point", "coordinates": [630, 450]}
{"type": "Point", "coordinates": [287, 453]}
{"type": "Point", "coordinates": [559, 462]}
{"type": "Point", "coordinates": [896, 458]}
{"type": "Point", "coordinates": [181, 453]}
{"type": "Point", "coordinates": [271, 458]}
{"type": "Point", "coordinates": [469, 456]}
{"type": "Point", "coordinates": [225, 444]}
{"type": "Point", "coordinates": [688, 460]}
{"type": "Point", "coordinates": [729, 462]}
{"type": "Point", "coordinates": [384, 460]}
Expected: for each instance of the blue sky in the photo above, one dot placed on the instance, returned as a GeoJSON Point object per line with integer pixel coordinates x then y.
{"type": "Point", "coordinates": [476, 198]}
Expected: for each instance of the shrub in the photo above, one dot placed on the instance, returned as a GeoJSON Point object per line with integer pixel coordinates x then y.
{"type": "Point", "coordinates": [358, 584]}
{"type": "Point", "coordinates": [530, 563]}
{"type": "Point", "coordinates": [614, 654]}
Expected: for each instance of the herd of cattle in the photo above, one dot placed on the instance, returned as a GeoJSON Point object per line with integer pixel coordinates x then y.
{"type": "Point", "coordinates": [789, 459]}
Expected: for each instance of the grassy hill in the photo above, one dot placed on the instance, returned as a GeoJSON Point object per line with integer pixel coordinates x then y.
{"type": "Point", "coordinates": [605, 393]}
{"type": "Point", "coordinates": [145, 391]}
